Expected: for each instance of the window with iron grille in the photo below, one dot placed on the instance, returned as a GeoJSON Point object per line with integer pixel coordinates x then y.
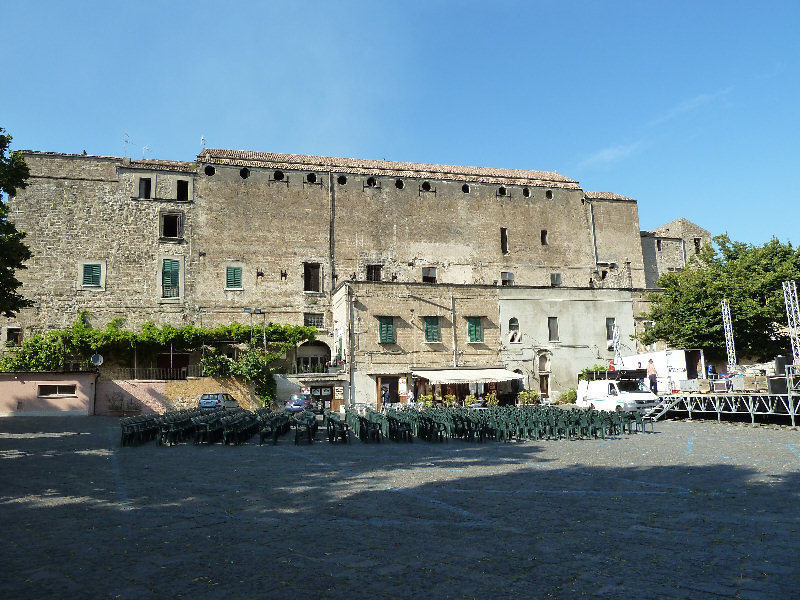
{"type": "Point", "coordinates": [374, 272]}
{"type": "Point", "coordinates": [432, 333]}
{"type": "Point", "coordinates": [314, 320]}
{"type": "Point", "coordinates": [474, 329]}
{"type": "Point", "coordinates": [170, 278]}
{"type": "Point", "coordinates": [386, 330]}
{"type": "Point", "coordinates": [233, 278]}
{"type": "Point", "coordinates": [507, 278]}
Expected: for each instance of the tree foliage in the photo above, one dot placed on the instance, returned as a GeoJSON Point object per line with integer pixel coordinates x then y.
{"type": "Point", "coordinates": [13, 252]}
{"type": "Point", "coordinates": [688, 313]}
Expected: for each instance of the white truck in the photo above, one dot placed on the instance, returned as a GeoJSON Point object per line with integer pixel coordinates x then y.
{"type": "Point", "coordinates": [672, 367]}
{"type": "Point", "coordinates": [616, 390]}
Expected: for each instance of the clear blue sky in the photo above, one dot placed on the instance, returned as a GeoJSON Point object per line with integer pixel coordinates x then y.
{"type": "Point", "coordinates": [692, 108]}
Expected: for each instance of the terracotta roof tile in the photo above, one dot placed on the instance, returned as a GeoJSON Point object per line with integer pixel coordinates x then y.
{"type": "Point", "coordinates": [607, 196]}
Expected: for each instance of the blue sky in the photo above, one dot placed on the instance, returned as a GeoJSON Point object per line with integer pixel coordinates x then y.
{"type": "Point", "coordinates": [692, 108]}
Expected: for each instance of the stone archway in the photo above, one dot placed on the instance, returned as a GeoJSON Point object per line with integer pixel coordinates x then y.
{"type": "Point", "coordinates": [312, 357]}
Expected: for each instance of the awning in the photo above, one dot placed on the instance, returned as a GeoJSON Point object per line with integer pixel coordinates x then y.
{"type": "Point", "coordinates": [486, 375]}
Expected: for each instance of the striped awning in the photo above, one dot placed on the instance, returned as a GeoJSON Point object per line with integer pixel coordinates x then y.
{"type": "Point", "coordinates": [485, 375]}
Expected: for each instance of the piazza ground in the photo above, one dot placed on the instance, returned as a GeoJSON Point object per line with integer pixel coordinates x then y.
{"type": "Point", "coordinates": [694, 510]}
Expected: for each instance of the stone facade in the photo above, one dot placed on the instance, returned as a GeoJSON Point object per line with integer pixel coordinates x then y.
{"type": "Point", "coordinates": [200, 242]}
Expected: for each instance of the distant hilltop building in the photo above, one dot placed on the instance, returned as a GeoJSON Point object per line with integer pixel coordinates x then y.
{"type": "Point", "coordinates": [419, 277]}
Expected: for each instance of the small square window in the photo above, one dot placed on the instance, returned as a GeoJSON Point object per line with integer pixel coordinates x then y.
{"type": "Point", "coordinates": [507, 278]}
{"type": "Point", "coordinates": [474, 329]}
{"type": "Point", "coordinates": [145, 187]}
{"type": "Point", "coordinates": [432, 334]}
{"type": "Point", "coordinates": [386, 330]}
{"type": "Point", "coordinates": [552, 329]}
{"type": "Point", "coordinates": [374, 272]}
{"type": "Point", "coordinates": [555, 279]}
{"type": "Point", "coordinates": [91, 275]}
{"type": "Point", "coordinates": [13, 336]}
{"type": "Point", "coordinates": [233, 278]}
{"type": "Point", "coordinates": [428, 274]}
{"type": "Point", "coordinates": [182, 190]}
{"type": "Point", "coordinates": [314, 320]}
{"type": "Point", "coordinates": [171, 226]}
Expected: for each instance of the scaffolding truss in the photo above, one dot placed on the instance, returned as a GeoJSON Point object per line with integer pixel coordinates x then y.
{"type": "Point", "coordinates": [728, 328]}
{"type": "Point", "coordinates": [792, 317]}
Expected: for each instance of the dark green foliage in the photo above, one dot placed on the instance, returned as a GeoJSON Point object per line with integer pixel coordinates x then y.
{"type": "Point", "coordinates": [687, 314]}
{"type": "Point", "coordinates": [13, 252]}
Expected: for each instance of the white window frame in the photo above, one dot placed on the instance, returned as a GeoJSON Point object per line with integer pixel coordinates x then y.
{"type": "Point", "coordinates": [91, 288]}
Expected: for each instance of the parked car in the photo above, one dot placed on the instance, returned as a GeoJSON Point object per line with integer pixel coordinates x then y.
{"type": "Point", "coordinates": [217, 400]}
{"type": "Point", "coordinates": [298, 403]}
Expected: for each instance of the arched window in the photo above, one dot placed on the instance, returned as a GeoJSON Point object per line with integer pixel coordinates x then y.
{"type": "Point", "coordinates": [513, 330]}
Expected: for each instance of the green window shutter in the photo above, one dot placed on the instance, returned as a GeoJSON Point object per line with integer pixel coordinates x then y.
{"type": "Point", "coordinates": [233, 277]}
{"type": "Point", "coordinates": [91, 275]}
{"type": "Point", "coordinates": [432, 329]}
{"type": "Point", "coordinates": [386, 330]}
{"type": "Point", "coordinates": [474, 329]}
{"type": "Point", "coordinates": [171, 278]}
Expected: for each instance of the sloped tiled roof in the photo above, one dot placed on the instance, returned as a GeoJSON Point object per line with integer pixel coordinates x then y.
{"type": "Point", "coordinates": [388, 168]}
{"type": "Point", "coordinates": [607, 196]}
{"type": "Point", "coordinates": [163, 165]}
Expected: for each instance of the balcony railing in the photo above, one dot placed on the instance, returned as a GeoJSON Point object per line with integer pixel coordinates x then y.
{"type": "Point", "coordinates": [153, 373]}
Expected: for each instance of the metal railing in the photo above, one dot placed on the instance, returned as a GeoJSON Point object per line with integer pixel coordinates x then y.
{"type": "Point", "coordinates": [156, 374]}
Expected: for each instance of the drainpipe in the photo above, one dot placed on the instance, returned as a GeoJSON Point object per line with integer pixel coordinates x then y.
{"type": "Point", "coordinates": [351, 342]}
{"type": "Point", "coordinates": [594, 235]}
{"type": "Point", "coordinates": [331, 225]}
{"type": "Point", "coordinates": [455, 343]}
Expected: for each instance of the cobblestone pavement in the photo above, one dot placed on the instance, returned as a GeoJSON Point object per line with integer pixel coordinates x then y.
{"type": "Point", "coordinates": [694, 510]}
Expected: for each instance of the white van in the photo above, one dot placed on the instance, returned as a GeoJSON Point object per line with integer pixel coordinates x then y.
{"type": "Point", "coordinates": [615, 394]}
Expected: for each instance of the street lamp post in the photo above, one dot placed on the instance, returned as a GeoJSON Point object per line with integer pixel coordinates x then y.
{"type": "Point", "coordinates": [248, 311]}
{"type": "Point", "coordinates": [257, 311]}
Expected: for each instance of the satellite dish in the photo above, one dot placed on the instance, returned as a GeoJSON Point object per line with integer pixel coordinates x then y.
{"type": "Point", "coordinates": [97, 360]}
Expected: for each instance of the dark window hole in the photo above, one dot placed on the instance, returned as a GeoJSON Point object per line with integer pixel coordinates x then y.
{"type": "Point", "coordinates": [371, 182]}
{"type": "Point", "coordinates": [278, 176]}
{"type": "Point", "coordinates": [549, 194]}
{"type": "Point", "coordinates": [502, 191]}
{"type": "Point", "coordinates": [341, 180]}
{"type": "Point", "coordinates": [209, 170]}
{"type": "Point", "coordinates": [311, 178]}
{"type": "Point", "coordinates": [426, 186]}
{"type": "Point", "coordinates": [526, 192]}
{"type": "Point", "coordinates": [244, 172]}
{"type": "Point", "coordinates": [398, 183]}
{"type": "Point", "coordinates": [465, 188]}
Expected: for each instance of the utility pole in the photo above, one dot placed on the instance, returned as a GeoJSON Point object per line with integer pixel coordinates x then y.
{"type": "Point", "coordinates": [728, 328]}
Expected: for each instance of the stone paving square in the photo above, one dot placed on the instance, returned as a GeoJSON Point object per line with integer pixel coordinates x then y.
{"type": "Point", "coordinates": [695, 510]}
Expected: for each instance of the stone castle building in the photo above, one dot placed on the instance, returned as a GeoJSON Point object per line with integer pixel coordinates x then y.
{"type": "Point", "coordinates": [416, 275]}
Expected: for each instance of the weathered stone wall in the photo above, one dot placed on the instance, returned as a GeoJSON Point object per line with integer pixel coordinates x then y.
{"type": "Point", "coordinates": [619, 249]}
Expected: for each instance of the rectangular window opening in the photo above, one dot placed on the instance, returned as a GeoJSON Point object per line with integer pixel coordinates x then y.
{"type": "Point", "coordinates": [432, 334]}
{"type": "Point", "coordinates": [555, 279]}
{"type": "Point", "coordinates": [55, 391]}
{"type": "Point", "coordinates": [314, 320]}
{"type": "Point", "coordinates": [658, 245]}
{"type": "Point", "coordinates": [91, 275]}
{"type": "Point", "coordinates": [374, 272]}
{"type": "Point", "coordinates": [233, 278]}
{"type": "Point", "coordinates": [474, 329]}
{"type": "Point", "coordinates": [697, 242]}
{"type": "Point", "coordinates": [311, 278]}
{"type": "Point", "coordinates": [14, 335]}
{"type": "Point", "coordinates": [428, 274]}
{"type": "Point", "coordinates": [610, 323]}
{"type": "Point", "coordinates": [504, 240]}
{"type": "Point", "coordinates": [506, 278]}
{"type": "Point", "coordinates": [552, 328]}
{"type": "Point", "coordinates": [170, 278]}
{"type": "Point", "coordinates": [543, 236]}
{"type": "Point", "coordinates": [145, 187]}
{"type": "Point", "coordinates": [172, 225]}
{"type": "Point", "coordinates": [183, 190]}
{"type": "Point", "coordinates": [386, 330]}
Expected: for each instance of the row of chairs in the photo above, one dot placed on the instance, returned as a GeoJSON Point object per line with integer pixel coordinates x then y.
{"type": "Point", "coordinates": [338, 430]}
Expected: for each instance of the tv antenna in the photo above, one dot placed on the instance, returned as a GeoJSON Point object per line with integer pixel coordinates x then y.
{"type": "Point", "coordinates": [203, 142]}
{"type": "Point", "coordinates": [145, 149]}
{"type": "Point", "coordinates": [125, 141]}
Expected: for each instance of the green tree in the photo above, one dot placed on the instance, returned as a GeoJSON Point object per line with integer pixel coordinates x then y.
{"type": "Point", "coordinates": [687, 314]}
{"type": "Point", "coordinates": [13, 252]}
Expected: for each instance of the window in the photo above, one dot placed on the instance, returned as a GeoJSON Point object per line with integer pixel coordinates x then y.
{"type": "Point", "coordinates": [314, 320]}
{"type": "Point", "coordinates": [504, 240]}
{"type": "Point", "coordinates": [474, 329]}
{"type": "Point", "coordinates": [543, 237]}
{"type": "Point", "coordinates": [386, 330]}
{"type": "Point", "coordinates": [311, 278]}
{"type": "Point", "coordinates": [697, 242]}
{"type": "Point", "coordinates": [428, 274]}
{"type": "Point", "coordinates": [555, 279]}
{"type": "Point", "coordinates": [233, 278]}
{"type": "Point", "coordinates": [171, 226]}
{"type": "Point", "coordinates": [56, 390]}
{"type": "Point", "coordinates": [13, 336]}
{"type": "Point", "coordinates": [170, 278]}
{"type": "Point", "coordinates": [145, 187]}
{"type": "Point", "coordinates": [432, 334]}
{"type": "Point", "coordinates": [552, 328]}
{"type": "Point", "coordinates": [183, 190]}
{"type": "Point", "coordinates": [374, 272]}
{"type": "Point", "coordinates": [506, 278]}
{"type": "Point", "coordinates": [610, 323]}
{"type": "Point", "coordinates": [658, 245]}
{"type": "Point", "coordinates": [91, 275]}
{"type": "Point", "coordinates": [513, 330]}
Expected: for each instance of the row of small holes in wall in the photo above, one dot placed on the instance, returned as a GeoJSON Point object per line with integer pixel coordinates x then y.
{"type": "Point", "coordinates": [244, 173]}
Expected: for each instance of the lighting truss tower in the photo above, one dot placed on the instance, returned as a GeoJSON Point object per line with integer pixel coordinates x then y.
{"type": "Point", "coordinates": [728, 328]}
{"type": "Point", "coordinates": [793, 317]}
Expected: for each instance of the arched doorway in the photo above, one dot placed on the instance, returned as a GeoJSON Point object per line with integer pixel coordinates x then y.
{"type": "Point", "coordinates": [312, 357]}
